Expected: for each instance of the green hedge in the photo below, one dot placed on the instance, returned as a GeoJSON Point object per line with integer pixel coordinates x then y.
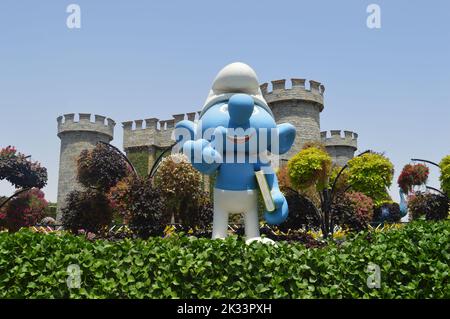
{"type": "Point", "coordinates": [414, 263]}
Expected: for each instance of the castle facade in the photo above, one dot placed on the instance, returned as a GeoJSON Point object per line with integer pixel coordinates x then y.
{"type": "Point", "coordinates": [145, 139]}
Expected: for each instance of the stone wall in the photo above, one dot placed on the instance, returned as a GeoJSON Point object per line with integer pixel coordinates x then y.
{"type": "Point", "coordinates": [298, 105]}
{"type": "Point", "coordinates": [306, 119]}
{"type": "Point", "coordinates": [341, 147]}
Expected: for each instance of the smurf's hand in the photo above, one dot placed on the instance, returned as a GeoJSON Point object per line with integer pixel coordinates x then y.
{"type": "Point", "coordinates": [202, 155]}
{"type": "Point", "coordinates": [281, 209]}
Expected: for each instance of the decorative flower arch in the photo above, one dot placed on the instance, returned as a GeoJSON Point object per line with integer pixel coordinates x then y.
{"type": "Point", "coordinates": [23, 174]}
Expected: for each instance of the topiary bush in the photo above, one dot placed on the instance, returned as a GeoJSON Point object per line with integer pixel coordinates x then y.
{"type": "Point", "coordinates": [119, 198]}
{"type": "Point", "coordinates": [24, 210]}
{"type": "Point", "coordinates": [146, 208]}
{"type": "Point", "coordinates": [353, 210]}
{"type": "Point", "coordinates": [98, 170]}
{"type": "Point", "coordinates": [101, 168]}
{"type": "Point", "coordinates": [427, 205]}
{"type": "Point", "coordinates": [311, 166]}
{"type": "Point", "coordinates": [371, 174]}
{"type": "Point", "coordinates": [199, 213]}
{"type": "Point", "coordinates": [445, 175]}
{"type": "Point", "coordinates": [86, 210]}
{"type": "Point", "coordinates": [438, 208]}
{"type": "Point", "coordinates": [180, 185]}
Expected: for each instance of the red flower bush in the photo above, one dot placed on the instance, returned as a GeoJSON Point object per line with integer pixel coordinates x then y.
{"type": "Point", "coordinates": [412, 175]}
{"type": "Point", "coordinates": [17, 169]}
{"type": "Point", "coordinates": [353, 210]}
{"type": "Point", "coordinates": [24, 210]}
{"type": "Point", "coordinates": [362, 205]}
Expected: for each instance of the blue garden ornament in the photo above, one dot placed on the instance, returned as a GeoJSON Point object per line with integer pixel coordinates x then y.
{"type": "Point", "coordinates": [235, 136]}
{"type": "Point", "coordinates": [403, 204]}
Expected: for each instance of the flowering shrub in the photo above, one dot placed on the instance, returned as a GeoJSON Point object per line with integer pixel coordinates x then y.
{"type": "Point", "coordinates": [412, 175]}
{"type": "Point", "coordinates": [362, 205]}
{"type": "Point", "coordinates": [371, 174]}
{"type": "Point", "coordinates": [24, 210]}
{"type": "Point", "coordinates": [445, 174]}
{"type": "Point", "coordinates": [176, 177]}
{"type": "Point", "coordinates": [353, 210]}
{"type": "Point", "coordinates": [17, 169]}
{"type": "Point", "coordinates": [199, 213]}
{"type": "Point", "coordinates": [101, 168]}
{"type": "Point", "coordinates": [88, 210]}
{"type": "Point", "coordinates": [283, 177]}
{"type": "Point", "coordinates": [427, 205]}
{"type": "Point", "coordinates": [146, 207]}
{"type": "Point", "coordinates": [180, 185]}
{"type": "Point", "coordinates": [2, 213]}
{"type": "Point", "coordinates": [311, 166]}
{"type": "Point", "coordinates": [119, 198]}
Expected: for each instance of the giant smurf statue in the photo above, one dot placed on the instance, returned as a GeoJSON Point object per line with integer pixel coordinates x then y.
{"type": "Point", "coordinates": [236, 137]}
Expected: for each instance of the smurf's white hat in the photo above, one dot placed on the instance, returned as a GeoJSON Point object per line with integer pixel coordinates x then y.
{"type": "Point", "coordinates": [235, 78]}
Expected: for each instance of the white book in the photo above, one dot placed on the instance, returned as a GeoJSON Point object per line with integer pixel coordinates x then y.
{"type": "Point", "coordinates": [265, 191]}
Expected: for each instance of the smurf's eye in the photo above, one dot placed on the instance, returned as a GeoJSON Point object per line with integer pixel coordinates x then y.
{"type": "Point", "coordinates": [224, 108]}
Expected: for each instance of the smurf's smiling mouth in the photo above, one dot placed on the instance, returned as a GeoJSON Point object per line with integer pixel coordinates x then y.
{"type": "Point", "coordinates": [239, 139]}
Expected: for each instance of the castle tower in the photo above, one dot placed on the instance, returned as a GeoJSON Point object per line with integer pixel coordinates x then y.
{"type": "Point", "coordinates": [341, 148]}
{"type": "Point", "coordinates": [144, 140]}
{"type": "Point", "coordinates": [299, 106]}
{"type": "Point", "coordinates": [77, 136]}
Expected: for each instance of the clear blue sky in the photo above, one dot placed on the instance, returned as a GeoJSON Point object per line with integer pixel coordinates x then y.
{"type": "Point", "coordinates": [139, 59]}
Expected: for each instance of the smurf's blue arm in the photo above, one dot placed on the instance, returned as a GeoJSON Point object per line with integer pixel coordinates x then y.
{"type": "Point", "coordinates": [281, 207]}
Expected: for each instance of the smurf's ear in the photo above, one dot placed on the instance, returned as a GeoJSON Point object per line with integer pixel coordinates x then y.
{"type": "Point", "coordinates": [286, 137]}
{"type": "Point", "coordinates": [184, 131]}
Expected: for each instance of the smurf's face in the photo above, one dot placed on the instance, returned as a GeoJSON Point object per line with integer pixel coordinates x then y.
{"type": "Point", "coordinates": [241, 125]}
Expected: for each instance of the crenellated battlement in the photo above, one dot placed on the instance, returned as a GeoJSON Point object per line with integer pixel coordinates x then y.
{"type": "Point", "coordinates": [85, 122]}
{"type": "Point", "coordinates": [152, 131]}
{"type": "Point", "coordinates": [298, 91]}
{"type": "Point", "coordinates": [335, 138]}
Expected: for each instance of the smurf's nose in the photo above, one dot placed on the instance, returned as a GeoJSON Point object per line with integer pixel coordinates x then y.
{"type": "Point", "coordinates": [240, 108]}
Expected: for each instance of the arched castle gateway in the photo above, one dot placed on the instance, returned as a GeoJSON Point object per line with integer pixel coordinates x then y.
{"type": "Point", "coordinates": [145, 139]}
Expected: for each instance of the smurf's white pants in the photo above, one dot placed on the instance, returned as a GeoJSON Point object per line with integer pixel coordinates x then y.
{"type": "Point", "coordinates": [243, 202]}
